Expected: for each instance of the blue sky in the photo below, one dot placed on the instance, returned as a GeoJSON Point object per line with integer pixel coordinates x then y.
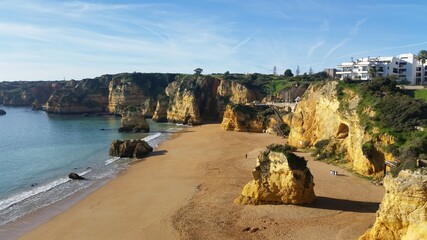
{"type": "Point", "coordinates": [53, 40]}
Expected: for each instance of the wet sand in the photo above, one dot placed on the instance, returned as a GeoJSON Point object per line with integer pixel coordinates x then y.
{"type": "Point", "coordinates": [186, 188]}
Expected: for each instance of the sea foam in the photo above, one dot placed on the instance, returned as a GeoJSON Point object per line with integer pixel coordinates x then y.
{"type": "Point", "coordinates": [152, 137]}
{"type": "Point", "coordinates": [19, 197]}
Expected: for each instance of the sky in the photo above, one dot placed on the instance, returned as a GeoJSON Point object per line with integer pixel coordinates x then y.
{"type": "Point", "coordinates": [56, 40]}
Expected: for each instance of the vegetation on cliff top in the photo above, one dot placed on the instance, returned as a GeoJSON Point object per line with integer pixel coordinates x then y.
{"type": "Point", "coordinates": [393, 111]}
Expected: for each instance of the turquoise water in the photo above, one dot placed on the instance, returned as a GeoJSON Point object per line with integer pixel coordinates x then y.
{"type": "Point", "coordinates": [38, 151]}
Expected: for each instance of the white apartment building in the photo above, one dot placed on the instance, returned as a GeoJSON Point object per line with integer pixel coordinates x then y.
{"type": "Point", "coordinates": [405, 66]}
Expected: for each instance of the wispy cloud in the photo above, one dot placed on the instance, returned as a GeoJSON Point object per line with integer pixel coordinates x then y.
{"type": "Point", "coordinates": [325, 26]}
{"type": "Point", "coordinates": [314, 47]}
{"type": "Point", "coordinates": [355, 29]}
{"type": "Point", "coordinates": [337, 46]}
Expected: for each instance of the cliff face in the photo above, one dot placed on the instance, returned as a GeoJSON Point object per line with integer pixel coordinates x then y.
{"type": "Point", "coordinates": [197, 99]}
{"type": "Point", "coordinates": [24, 93]}
{"type": "Point", "coordinates": [317, 117]}
{"type": "Point", "coordinates": [76, 97]}
{"type": "Point", "coordinates": [137, 89]}
{"type": "Point", "coordinates": [279, 177]}
{"type": "Point", "coordinates": [246, 118]}
{"type": "Point", "coordinates": [403, 211]}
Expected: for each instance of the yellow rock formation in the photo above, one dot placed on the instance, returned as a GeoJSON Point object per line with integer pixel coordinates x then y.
{"type": "Point", "coordinates": [318, 117]}
{"type": "Point", "coordinates": [403, 210]}
{"type": "Point", "coordinates": [279, 178]}
{"type": "Point", "coordinates": [241, 122]}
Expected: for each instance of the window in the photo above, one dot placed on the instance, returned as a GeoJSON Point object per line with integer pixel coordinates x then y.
{"type": "Point", "coordinates": [380, 69]}
{"type": "Point", "coordinates": [364, 75]}
{"type": "Point", "coordinates": [418, 74]}
{"type": "Point", "coordinates": [365, 68]}
{"type": "Point", "coordinates": [418, 69]}
{"type": "Point", "coordinates": [394, 70]}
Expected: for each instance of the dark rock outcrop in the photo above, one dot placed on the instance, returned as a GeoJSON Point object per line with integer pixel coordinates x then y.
{"type": "Point", "coordinates": [2, 112]}
{"type": "Point", "coordinates": [36, 105]}
{"type": "Point", "coordinates": [75, 176]}
{"type": "Point", "coordinates": [130, 148]}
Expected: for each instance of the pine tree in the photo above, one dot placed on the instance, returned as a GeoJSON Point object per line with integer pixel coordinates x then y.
{"type": "Point", "coordinates": [297, 71]}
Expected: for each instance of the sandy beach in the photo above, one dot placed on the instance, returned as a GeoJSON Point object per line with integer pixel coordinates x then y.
{"type": "Point", "coordinates": [186, 188]}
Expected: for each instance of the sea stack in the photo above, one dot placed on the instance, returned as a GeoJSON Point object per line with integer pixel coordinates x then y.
{"type": "Point", "coordinates": [133, 120]}
{"type": "Point", "coordinates": [280, 177]}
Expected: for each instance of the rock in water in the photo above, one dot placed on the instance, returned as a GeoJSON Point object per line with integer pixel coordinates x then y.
{"type": "Point", "coordinates": [130, 148]}
{"type": "Point", "coordinates": [403, 210]}
{"type": "Point", "coordinates": [2, 112]}
{"type": "Point", "coordinates": [279, 177]}
{"type": "Point", "coordinates": [75, 176]}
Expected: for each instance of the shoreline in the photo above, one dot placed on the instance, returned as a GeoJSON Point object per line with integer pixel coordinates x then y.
{"type": "Point", "coordinates": [31, 220]}
{"type": "Point", "coordinates": [186, 188]}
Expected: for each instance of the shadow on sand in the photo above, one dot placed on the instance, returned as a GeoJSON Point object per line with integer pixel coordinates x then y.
{"type": "Point", "coordinates": [157, 153]}
{"type": "Point", "coordinates": [345, 205]}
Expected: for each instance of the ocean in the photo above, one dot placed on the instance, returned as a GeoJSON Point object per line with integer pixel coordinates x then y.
{"type": "Point", "coordinates": [39, 150]}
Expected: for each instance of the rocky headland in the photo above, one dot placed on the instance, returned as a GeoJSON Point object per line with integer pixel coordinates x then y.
{"type": "Point", "coordinates": [24, 93]}
{"type": "Point", "coordinates": [197, 99]}
{"type": "Point", "coordinates": [137, 89]}
{"type": "Point", "coordinates": [403, 211]}
{"type": "Point", "coordinates": [319, 119]}
{"type": "Point", "coordinates": [77, 97]}
{"type": "Point", "coordinates": [280, 177]}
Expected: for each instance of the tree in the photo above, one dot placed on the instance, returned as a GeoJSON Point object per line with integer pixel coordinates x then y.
{"type": "Point", "coordinates": [310, 71]}
{"type": "Point", "coordinates": [274, 71]}
{"type": "Point", "coordinates": [422, 57]}
{"type": "Point", "coordinates": [297, 71]}
{"type": "Point", "coordinates": [288, 73]}
{"type": "Point", "coordinates": [372, 72]}
{"type": "Point", "coordinates": [198, 71]}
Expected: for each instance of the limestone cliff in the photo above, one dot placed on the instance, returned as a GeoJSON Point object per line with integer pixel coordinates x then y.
{"type": "Point", "coordinates": [137, 89]}
{"type": "Point", "coordinates": [403, 210]}
{"type": "Point", "coordinates": [279, 177]}
{"type": "Point", "coordinates": [318, 118]}
{"type": "Point", "coordinates": [196, 99]}
{"type": "Point", "coordinates": [24, 93]}
{"type": "Point", "coordinates": [247, 118]}
{"type": "Point", "coordinates": [76, 97]}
